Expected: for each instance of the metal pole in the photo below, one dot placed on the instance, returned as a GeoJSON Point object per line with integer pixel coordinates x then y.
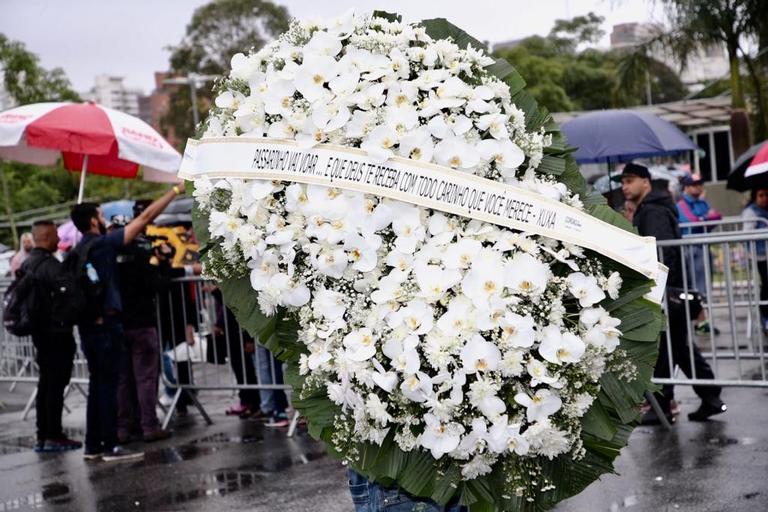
{"type": "Point", "coordinates": [82, 180]}
{"type": "Point", "coordinates": [193, 91]}
{"type": "Point", "coordinates": [9, 208]}
{"type": "Point", "coordinates": [648, 94]}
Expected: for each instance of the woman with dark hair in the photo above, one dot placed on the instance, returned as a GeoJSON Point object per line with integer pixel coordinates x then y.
{"type": "Point", "coordinates": [758, 208]}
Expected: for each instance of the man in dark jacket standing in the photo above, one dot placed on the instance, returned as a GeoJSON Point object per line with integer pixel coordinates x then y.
{"type": "Point", "coordinates": [53, 340]}
{"type": "Point", "coordinates": [656, 216]}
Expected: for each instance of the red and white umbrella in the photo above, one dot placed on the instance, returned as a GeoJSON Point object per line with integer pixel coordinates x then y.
{"type": "Point", "coordinates": [759, 163]}
{"type": "Point", "coordinates": [89, 138]}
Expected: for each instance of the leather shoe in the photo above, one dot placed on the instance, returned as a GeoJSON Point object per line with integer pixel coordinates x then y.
{"type": "Point", "coordinates": [708, 409]}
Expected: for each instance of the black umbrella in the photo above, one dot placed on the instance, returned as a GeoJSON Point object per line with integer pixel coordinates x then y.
{"type": "Point", "coordinates": [736, 179]}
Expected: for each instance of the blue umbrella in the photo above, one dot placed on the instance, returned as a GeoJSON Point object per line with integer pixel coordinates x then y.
{"type": "Point", "coordinates": [623, 135]}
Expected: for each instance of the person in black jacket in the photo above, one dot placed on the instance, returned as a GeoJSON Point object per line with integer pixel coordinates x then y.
{"type": "Point", "coordinates": [656, 216]}
{"type": "Point", "coordinates": [53, 341]}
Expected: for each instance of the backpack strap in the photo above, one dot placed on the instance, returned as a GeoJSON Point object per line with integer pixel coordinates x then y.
{"type": "Point", "coordinates": [682, 204]}
{"type": "Point", "coordinates": [83, 251]}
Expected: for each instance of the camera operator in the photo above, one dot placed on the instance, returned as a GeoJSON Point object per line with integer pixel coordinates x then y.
{"type": "Point", "coordinates": [144, 269]}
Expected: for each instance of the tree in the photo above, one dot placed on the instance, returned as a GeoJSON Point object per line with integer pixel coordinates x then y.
{"type": "Point", "coordinates": [217, 31]}
{"type": "Point", "coordinates": [695, 25]}
{"type": "Point", "coordinates": [562, 77]}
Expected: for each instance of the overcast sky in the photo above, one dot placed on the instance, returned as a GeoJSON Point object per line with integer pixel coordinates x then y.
{"type": "Point", "coordinates": [129, 37]}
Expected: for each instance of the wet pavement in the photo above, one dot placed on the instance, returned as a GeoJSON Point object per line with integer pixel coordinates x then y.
{"type": "Point", "coordinates": [238, 464]}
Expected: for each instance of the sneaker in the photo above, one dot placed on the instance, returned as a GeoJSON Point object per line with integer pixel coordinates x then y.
{"type": "Point", "coordinates": [38, 446]}
{"type": "Point", "coordinates": [707, 410]}
{"type": "Point", "coordinates": [165, 400]}
{"type": "Point", "coordinates": [278, 421]}
{"type": "Point", "coordinates": [92, 454]}
{"type": "Point", "coordinates": [237, 410]}
{"type": "Point", "coordinates": [61, 445]}
{"type": "Point", "coordinates": [157, 435]}
{"type": "Point", "coordinates": [118, 453]}
{"type": "Point", "coordinates": [674, 408]}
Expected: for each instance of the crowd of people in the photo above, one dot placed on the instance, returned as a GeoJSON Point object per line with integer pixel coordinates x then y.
{"type": "Point", "coordinates": [133, 316]}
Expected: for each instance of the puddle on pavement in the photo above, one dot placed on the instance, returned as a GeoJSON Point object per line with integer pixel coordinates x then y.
{"type": "Point", "coordinates": [197, 486]}
{"type": "Point", "coordinates": [54, 493]}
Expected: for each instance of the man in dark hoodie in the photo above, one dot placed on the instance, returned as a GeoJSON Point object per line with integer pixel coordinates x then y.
{"type": "Point", "coordinates": [656, 216]}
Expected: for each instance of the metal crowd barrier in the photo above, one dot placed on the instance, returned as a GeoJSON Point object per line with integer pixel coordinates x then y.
{"type": "Point", "coordinates": [731, 268]}
{"type": "Point", "coordinates": [203, 348]}
{"type": "Point", "coordinates": [724, 225]}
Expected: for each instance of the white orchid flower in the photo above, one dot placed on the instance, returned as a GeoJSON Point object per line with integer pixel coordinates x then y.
{"type": "Point", "coordinates": [331, 262]}
{"type": "Point", "coordinates": [369, 98]}
{"type": "Point", "coordinates": [601, 328]}
{"type": "Point", "coordinates": [342, 26]}
{"type": "Point", "coordinates": [442, 228]}
{"type": "Point", "coordinates": [478, 100]}
{"type": "Point", "coordinates": [318, 355]}
{"type": "Point", "coordinates": [456, 153]}
{"type": "Point", "coordinates": [475, 441]}
{"type": "Point", "coordinates": [559, 347]}
{"type": "Point", "coordinates": [459, 318]}
{"type": "Point", "coordinates": [484, 280]}
{"type": "Point", "coordinates": [390, 287]}
{"type": "Point", "coordinates": [262, 269]}
{"type": "Point", "coordinates": [322, 43]}
{"type": "Point", "coordinates": [313, 74]}
{"type": "Point", "coordinates": [403, 354]}
{"type": "Point", "coordinates": [440, 438]}
{"type": "Point", "coordinates": [417, 145]}
{"type": "Point", "coordinates": [382, 378]}
{"type": "Point", "coordinates": [246, 68]}
{"type": "Point", "coordinates": [504, 436]}
{"type": "Point", "coordinates": [585, 288]}
{"type": "Point", "coordinates": [398, 63]}
{"type": "Point", "coordinates": [288, 291]}
{"type": "Point", "coordinates": [527, 275]}
{"type": "Point", "coordinates": [399, 260]}
{"type": "Point", "coordinates": [407, 226]}
{"type": "Point", "coordinates": [480, 355]}
{"type": "Point", "coordinates": [461, 253]}
{"type": "Point", "coordinates": [417, 317]}
{"type": "Point", "coordinates": [329, 116]}
{"type": "Point", "coordinates": [539, 373]}
{"type": "Point", "coordinates": [483, 396]}
{"type": "Point", "coordinates": [362, 251]}
{"type": "Point", "coordinates": [278, 96]}
{"type": "Point", "coordinates": [229, 100]}
{"type": "Point", "coordinates": [345, 85]}
{"type": "Point", "coordinates": [360, 345]}
{"type": "Point", "coordinates": [496, 124]}
{"type": "Point", "coordinates": [540, 406]}
{"type": "Point", "coordinates": [453, 87]}
{"type": "Point", "coordinates": [402, 94]}
{"type": "Point", "coordinates": [613, 285]}
{"type": "Point", "coordinates": [380, 143]}
{"type": "Point", "coordinates": [426, 56]}
{"type": "Point", "coordinates": [361, 124]}
{"type": "Point", "coordinates": [504, 153]}
{"type": "Point", "coordinates": [434, 282]}
{"type": "Point", "coordinates": [417, 388]}
{"type": "Point", "coordinates": [328, 304]}
{"type": "Point", "coordinates": [402, 119]}
{"type": "Point", "coordinates": [517, 331]}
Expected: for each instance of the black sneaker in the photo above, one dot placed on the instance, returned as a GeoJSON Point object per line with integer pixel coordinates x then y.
{"type": "Point", "coordinates": [38, 446]}
{"type": "Point", "coordinates": [118, 453]}
{"type": "Point", "coordinates": [61, 445]}
{"type": "Point", "coordinates": [707, 410]}
{"type": "Point", "coordinates": [89, 454]}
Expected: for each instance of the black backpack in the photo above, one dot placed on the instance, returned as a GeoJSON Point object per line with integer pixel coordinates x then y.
{"type": "Point", "coordinates": [21, 302]}
{"type": "Point", "coordinates": [77, 299]}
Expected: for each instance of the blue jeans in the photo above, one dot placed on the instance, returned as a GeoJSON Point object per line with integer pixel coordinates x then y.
{"type": "Point", "coordinates": [272, 401]}
{"type": "Point", "coordinates": [369, 496]}
{"type": "Point", "coordinates": [102, 346]}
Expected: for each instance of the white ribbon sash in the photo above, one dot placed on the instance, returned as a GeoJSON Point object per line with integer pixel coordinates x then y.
{"type": "Point", "coordinates": [428, 185]}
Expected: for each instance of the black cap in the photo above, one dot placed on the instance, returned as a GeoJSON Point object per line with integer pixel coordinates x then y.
{"type": "Point", "coordinates": [690, 179]}
{"type": "Point", "coordinates": [633, 169]}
